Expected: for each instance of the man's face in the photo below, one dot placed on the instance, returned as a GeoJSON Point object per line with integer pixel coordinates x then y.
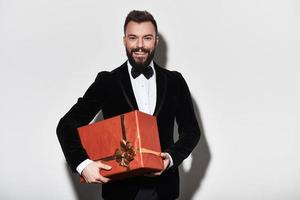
{"type": "Point", "coordinates": [140, 41]}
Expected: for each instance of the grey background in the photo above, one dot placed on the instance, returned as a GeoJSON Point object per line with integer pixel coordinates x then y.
{"type": "Point", "coordinates": [240, 59]}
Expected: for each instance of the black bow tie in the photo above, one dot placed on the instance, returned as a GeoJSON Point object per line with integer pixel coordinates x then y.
{"type": "Point", "coordinates": [147, 72]}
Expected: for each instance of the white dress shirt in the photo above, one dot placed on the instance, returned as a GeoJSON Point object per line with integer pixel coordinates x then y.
{"type": "Point", "coordinates": [144, 90]}
{"type": "Point", "coordinates": [145, 94]}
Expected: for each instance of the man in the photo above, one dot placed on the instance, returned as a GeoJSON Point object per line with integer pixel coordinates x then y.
{"type": "Point", "coordinates": [138, 84]}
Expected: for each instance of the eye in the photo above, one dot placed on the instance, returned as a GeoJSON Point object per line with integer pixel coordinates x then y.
{"type": "Point", "coordinates": [132, 38]}
{"type": "Point", "coordinates": [148, 38]}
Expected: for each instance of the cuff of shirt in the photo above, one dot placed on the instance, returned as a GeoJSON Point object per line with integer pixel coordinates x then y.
{"type": "Point", "coordinates": [171, 160]}
{"type": "Point", "coordinates": [82, 165]}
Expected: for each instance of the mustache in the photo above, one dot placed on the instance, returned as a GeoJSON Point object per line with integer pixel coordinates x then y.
{"type": "Point", "coordinates": [140, 49]}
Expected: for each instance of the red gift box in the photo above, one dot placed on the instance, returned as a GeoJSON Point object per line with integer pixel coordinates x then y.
{"type": "Point", "coordinates": [129, 143]}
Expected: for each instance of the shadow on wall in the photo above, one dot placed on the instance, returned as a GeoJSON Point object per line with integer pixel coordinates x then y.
{"type": "Point", "coordinates": [161, 51]}
{"type": "Point", "coordinates": [190, 181]}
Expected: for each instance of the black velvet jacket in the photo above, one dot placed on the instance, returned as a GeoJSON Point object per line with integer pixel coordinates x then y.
{"type": "Point", "coordinates": [112, 93]}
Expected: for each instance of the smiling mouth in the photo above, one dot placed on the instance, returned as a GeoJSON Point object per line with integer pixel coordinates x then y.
{"type": "Point", "coordinates": [140, 53]}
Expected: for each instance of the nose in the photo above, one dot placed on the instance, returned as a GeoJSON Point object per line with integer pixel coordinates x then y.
{"type": "Point", "coordinates": [140, 43]}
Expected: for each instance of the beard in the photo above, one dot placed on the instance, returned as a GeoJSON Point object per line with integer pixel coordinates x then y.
{"type": "Point", "coordinates": [140, 64]}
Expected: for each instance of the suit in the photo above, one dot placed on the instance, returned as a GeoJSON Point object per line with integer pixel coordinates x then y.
{"type": "Point", "coordinates": [112, 93]}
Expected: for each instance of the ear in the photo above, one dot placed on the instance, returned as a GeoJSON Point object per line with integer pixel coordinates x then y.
{"type": "Point", "coordinates": [124, 40]}
{"type": "Point", "coordinates": [157, 40]}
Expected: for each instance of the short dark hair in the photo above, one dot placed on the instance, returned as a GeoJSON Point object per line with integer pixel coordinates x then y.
{"type": "Point", "coordinates": [139, 17]}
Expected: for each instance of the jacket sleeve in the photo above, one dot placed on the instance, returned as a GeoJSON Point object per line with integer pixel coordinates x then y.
{"type": "Point", "coordinates": [188, 128]}
{"type": "Point", "coordinates": [80, 114]}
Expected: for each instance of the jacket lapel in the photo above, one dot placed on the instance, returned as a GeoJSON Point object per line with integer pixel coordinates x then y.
{"type": "Point", "coordinates": [161, 89]}
{"type": "Point", "coordinates": [126, 87]}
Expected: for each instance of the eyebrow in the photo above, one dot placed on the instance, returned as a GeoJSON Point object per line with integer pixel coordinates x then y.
{"type": "Point", "coordinates": [149, 35]}
{"type": "Point", "coordinates": [143, 36]}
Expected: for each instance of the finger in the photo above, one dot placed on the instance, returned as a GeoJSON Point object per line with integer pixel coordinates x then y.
{"type": "Point", "coordinates": [103, 166]}
{"type": "Point", "coordinates": [103, 179]}
{"type": "Point", "coordinates": [106, 167]}
{"type": "Point", "coordinates": [166, 161]}
{"type": "Point", "coordinates": [164, 155]}
{"type": "Point", "coordinates": [96, 182]}
{"type": "Point", "coordinates": [157, 173]}
{"type": "Point", "coordinates": [90, 180]}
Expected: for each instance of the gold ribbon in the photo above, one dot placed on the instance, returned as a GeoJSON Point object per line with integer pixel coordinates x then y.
{"type": "Point", "coordinates": [126, 152]}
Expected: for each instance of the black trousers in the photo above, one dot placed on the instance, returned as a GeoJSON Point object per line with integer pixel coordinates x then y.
{"type": "Point", "coordinates": [146, 191]}
{"type": "Point", "coordinates": [146, 194]}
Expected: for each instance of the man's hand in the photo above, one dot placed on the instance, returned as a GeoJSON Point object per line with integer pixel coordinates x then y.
{"type": "Point", "coordinates": [166, 161]}
{"type": "Point", "coordinates": [91, 173]}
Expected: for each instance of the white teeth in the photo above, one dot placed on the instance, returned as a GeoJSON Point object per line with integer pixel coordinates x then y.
{"type": "Point", "coordinates": [140, 53]}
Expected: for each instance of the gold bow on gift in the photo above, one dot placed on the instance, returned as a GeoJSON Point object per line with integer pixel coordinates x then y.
{"type": "Point", "coordinates": [125, 154]}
